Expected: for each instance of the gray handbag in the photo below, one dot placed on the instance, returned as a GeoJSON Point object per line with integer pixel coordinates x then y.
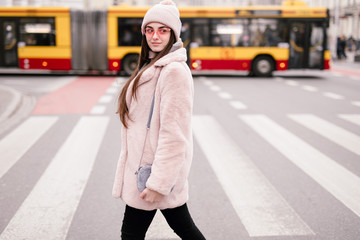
{"type": "Point", "coordinates": [143, 172]}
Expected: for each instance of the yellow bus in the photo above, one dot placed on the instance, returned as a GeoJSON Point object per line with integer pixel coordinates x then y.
{"type": "Point", "coordinates": [53, 40]}
{"type": "Point", "coordinates": [258, 39]}
{"type": "Point", "coordinates": [35, 38]}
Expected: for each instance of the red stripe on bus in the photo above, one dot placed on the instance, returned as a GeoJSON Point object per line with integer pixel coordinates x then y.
{"type": "Point", "coordinates": [77, 97]}
{"type": "Point", "coordinates": [244, 65]}
{"type": "Point", "coordinates": [45, 63]}
{"type": "Point", "coordinates": [220, 64]}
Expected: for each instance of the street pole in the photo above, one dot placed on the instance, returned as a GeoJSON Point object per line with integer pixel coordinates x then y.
{"type": "Point", "coordinates": [356, 23]}
{"type": "Point", "coordinates": [336, 26]}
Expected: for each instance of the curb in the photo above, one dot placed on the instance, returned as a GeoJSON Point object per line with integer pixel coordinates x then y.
{"type": "Point", "coordinates": [13, 105]}
{"type": "Point", "coordinates": [18, 108]}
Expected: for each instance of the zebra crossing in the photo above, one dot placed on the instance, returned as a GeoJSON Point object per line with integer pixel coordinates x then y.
{"type": "Point", "coordinates": [47, 212]}
{"type": "Point", "coordinates": [261, 208]}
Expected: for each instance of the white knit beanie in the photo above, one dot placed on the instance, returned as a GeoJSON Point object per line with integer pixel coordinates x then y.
{"type": "Point", "coordinates": [166, 13]}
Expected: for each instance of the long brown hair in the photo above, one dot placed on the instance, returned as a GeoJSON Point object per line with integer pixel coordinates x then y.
{"type": "Point", "coordinates": [123, 110]}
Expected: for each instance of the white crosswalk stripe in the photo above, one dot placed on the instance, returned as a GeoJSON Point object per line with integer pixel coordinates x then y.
{"type": "Point", "coordinates": [354, 118]}
{"type": "Point", "coordinates": [336, 179]}
{"type": "Point", "coordinates": [159, 229]}
{"type": "Point", "coordinates": [28, 132]}
{"type": "Point", "coordinates": [48, 210]}
{"type": "Point", "coordinates": [98, 109]}
{"type": "Point", "coordinates": [332, 132]}
{"type": "Point", "coordinates": [333, 95]}
{"type": "Point", "coordinates": [261, 208]}
{"type": "Point", "coordinates": [238, 105]}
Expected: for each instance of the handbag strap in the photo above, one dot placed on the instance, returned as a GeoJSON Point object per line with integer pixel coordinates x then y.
{"type": "Point", "coordinates": [151, 112]}
{"type": "Point", "coordinates": [147, 128]}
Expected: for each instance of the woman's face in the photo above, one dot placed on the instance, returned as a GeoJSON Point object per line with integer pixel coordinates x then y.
{"type": "Point", "coordinates": [157, 36]}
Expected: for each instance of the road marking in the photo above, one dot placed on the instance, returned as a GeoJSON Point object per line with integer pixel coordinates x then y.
{"type": "Point", "coordinates": [98, 109]}
{"type": "Point", "coordinates": [215, 88]}
{"type": "Point", "coordinates": [330, 131]}
{"type": "Point", "coordinates": [333, 95]}
{"type": "Point", "coordinates": [356, 103]}
{"type": "Point", "coordinates": [159, 228]}
{"type": "Point", "coordinates": [279, 79]}
{"type": "Point", "coordinates": [263, 211]}
{"type": "Point", "coordinates": [119, 81]}
{"type": "Point", "coordinates": [206, 82]}
{"type": "Point", "coordinates": [238, 105]}
{"type": "Point", "coordinates": [336, 179]}
{"type": "Point", "coordinates": [105, 99]}
{"type": "Point", "coordinates": [292, 83]}
{"type": "Point", "coordinates": [48, 210]}
{"type": "Point", "coordinates": [337, 74]}
{"type": "Point", "coordinates": [113, 90]}
{"type": "Point", "coordinates": [224, 95]}
{"type": "Point", "coordinates": [19, 141]}
{"type": "Point", "coordinates": [353, 118]}
{"type": "Point", "coordinates": [355, 78]}
{"type": "Point", "coordinates": [309, 88]}
{"type": "Point", "coordinates": [78, 97]}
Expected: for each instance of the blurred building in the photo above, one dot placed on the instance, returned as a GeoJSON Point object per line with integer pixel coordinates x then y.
{"type": "Point", "coordinates": [78, 4]}
{"type": "Point", "coordinates": [94, 3]}
{"type": "Point", "coordinates": [208, 2]}
{"type": "Point", "coordinates": [344, 15]}
{"type": "Point", "coordinates": [344, 21]}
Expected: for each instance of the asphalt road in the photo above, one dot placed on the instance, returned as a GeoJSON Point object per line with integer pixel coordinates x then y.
{"type": "Point", "coordinates": [274, 158]}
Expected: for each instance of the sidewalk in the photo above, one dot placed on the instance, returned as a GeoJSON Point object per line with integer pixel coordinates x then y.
{"type": "Point", "coordinates": [347, 66]}
{"type": "Point", "coordinates": [10, 99]}
{"type": "Point", "coordinates": [14, 106]}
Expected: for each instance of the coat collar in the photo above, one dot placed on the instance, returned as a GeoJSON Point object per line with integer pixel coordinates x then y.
{"type": "Point", "coordinates": [178, 55]}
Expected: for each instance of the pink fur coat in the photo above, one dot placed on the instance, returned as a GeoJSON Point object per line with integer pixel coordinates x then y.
{"type": "Point", "coordinates": [169, 145]}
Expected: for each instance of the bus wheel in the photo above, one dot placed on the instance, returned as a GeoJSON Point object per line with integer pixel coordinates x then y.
{"type": "Point", "coordinates": [129, 63]}
{"type": "Point", "coordinates": [263, 66]}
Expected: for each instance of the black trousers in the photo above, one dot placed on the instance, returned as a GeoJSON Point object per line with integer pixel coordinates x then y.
{"type": "Point", "coordinates": [136, 223]}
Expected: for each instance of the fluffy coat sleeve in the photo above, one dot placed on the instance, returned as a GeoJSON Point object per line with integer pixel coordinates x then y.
{"type": "Point", "coordinates": [175, 136]}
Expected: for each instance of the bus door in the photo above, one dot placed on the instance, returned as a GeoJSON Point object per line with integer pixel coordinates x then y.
{"type": "Point", "coordinates": [297, 45]}
{"type": "Point", "coordinates": [186, 37]}
{"type": "Point", "coordinates": [8, 43]}
{"type": "Point", "coordinates": [306, 44]}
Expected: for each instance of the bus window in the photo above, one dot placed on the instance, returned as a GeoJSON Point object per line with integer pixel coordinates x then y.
{"type": "Point", "coordinates": [224, 30]}
{"type": "Point", "coordinates": [37, 31]}
{"type": "Point", "coordinates": [200, 33]}
{"type": "Point", "coordinates": [129, 32]}
{"type": "Point", "coordinates": [247, 32]}
{"type": "Point", "coordinates": [266, 32]}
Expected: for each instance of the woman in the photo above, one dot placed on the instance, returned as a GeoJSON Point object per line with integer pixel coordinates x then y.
{"type": "Point", "coordinates": [161, 74]}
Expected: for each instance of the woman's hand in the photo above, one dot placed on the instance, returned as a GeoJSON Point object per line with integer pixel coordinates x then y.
{"type": "Point", "coordinates": [151, 196]}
